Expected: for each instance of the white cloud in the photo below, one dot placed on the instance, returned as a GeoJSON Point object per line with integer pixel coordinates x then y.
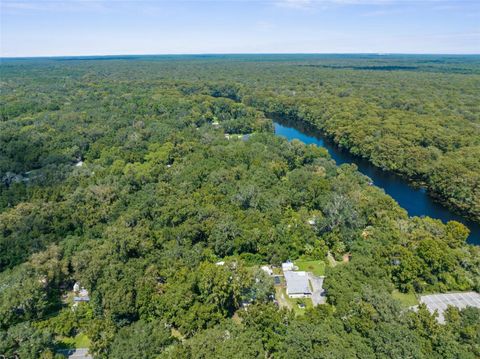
{"type": "Point", "coordinates": [308, 3]}
{"type": "Point", "coordinates": [296, 4]}
{"type": "Point", "coordinates": [265, 25]}
{"type": "Point", "coordinates": [52, 5]}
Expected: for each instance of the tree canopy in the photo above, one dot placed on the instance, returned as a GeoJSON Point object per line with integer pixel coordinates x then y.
{"type": "Point", "coordinates": [118, 174]}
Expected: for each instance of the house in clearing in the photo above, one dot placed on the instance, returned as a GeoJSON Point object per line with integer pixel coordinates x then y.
{"type": "Point", "coordinates": [297, 284]}
{"type": "Point", "coordinates": [80, 295]}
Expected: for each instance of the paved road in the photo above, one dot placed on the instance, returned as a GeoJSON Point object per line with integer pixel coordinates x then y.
{"type": "Point", "coordinates": [80, 353]}
{"type": "Point", "coordinates": [318, 293]}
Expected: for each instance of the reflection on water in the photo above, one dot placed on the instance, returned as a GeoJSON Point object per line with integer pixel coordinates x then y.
{"type": "Point", "coordinates": [415, 200]}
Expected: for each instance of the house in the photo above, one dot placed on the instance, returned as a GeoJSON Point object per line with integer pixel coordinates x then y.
{"type": "Point", "coordinates": [243, 137]}
{"type": "Point", "coordinates": [81, 299]}
{"type": "Point", "coordinates": [82, 296]}
{"type": "Point", "coordinates": [297, 284]}
{"type": "Point", "coordinates": [287, 266]}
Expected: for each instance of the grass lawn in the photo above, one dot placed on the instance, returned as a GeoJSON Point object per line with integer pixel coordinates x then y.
{"type": "Point", "coordinates": [316, 267]}
{"type": "Point", "coordinates": [79, 341]}
{"type": "Point", "coordinates": [291, 303]}
{"type": "Point", "coordinates": [407, 299]}
{"type": "Point", "coordinates": [277, 270]}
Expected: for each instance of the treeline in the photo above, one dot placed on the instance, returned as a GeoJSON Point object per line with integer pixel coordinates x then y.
{"type": "Point", "coordinates": [443, 157]}
{"type": "Point", "coordinates": [131, 188]}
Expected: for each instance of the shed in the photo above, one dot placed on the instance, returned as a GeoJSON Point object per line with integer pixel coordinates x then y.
{"type": "Point", "coordinates": [287, 266]}
{"type": "Point", "coordinates": [82, 296]}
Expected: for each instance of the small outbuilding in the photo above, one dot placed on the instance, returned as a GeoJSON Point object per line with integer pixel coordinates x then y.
{"type": "Point", "coordinates": [82, 296]}
{"type": "Point", "coordinates": [287, 266]}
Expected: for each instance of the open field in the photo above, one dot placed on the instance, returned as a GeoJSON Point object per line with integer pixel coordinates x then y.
{"type": "Point", "coordinates": [316, 267]}
{"type": "Point", "coordinates": [285, 301]}
{"type": "Point", "coordinates": [79, 341]}
{"type": "Point", "coordinates": [407, 299]}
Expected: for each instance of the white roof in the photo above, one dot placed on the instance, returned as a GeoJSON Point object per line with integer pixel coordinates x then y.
{"type": "Point", "coordinates": [266, 269]}
{"type": "Point", "coordinates": [287, 266]}
{"type": "Point", "coordinates": [440, 302]}
{"type": "Point", "coordinates": [297, 282]}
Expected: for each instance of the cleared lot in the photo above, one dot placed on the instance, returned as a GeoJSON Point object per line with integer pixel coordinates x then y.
{"type": "Point", "coordinates": [316, 267]}
{"type": "Point", "coordinates": [440, 302]}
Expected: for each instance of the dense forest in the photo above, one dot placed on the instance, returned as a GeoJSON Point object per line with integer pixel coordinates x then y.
{"type": "Point", "coordinates": [126, 175]}
{"type": "Point", "coordinates": [418, 116]}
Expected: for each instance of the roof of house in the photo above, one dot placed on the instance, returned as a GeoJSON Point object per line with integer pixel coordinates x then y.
{"type": "Point", "coordinates": [81, 299]}
{"type": "Point", "coordinates": [297, 282]}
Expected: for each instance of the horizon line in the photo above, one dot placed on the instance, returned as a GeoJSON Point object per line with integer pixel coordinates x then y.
{"type": "Point", "coordinates": [238, 53]}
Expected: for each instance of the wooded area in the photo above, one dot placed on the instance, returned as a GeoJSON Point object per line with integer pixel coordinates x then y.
{"type": "Point", "coordinates": [116, 173]}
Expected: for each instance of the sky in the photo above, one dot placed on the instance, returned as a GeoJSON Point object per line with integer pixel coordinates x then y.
{"type": "Point", "coordinates": [114, 27]}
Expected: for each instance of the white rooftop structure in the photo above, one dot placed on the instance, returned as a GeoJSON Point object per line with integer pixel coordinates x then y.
{"type": "Point", "coordinates": [267, 270]}
{"type": "Point", "coordinates": [297, 284]}
{"type": "Point", "coordinates": [82, 296]}
{"type": "Point", "coordinates": [287, 266]}
{"type": "Point", "coordinates": [440, 302]}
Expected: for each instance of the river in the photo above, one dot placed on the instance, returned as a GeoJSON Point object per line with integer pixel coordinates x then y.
{"type": "Point", "coordinates": [416, 201]}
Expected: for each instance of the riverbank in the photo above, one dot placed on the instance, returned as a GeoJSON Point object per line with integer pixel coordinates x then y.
{"type": "Point", "coordinates": [415, 200]}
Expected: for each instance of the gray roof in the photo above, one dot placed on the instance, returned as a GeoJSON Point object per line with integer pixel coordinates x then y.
{"type": "Point", "coordinates": [79, 353]}
{"type": "Point", "coordinates": [297, 282]}
{"type": "Point", "coordinates": [440, 302]}
{"type": "Point", "coordinates": [81, 299]}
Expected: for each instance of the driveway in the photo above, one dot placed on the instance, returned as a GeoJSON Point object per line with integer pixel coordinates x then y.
{"type": "Point", "coordinates": [318, 293]}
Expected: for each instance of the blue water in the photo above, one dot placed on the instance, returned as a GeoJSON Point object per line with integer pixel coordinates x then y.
{"type": "Point", "coordinates": [416, 201]}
